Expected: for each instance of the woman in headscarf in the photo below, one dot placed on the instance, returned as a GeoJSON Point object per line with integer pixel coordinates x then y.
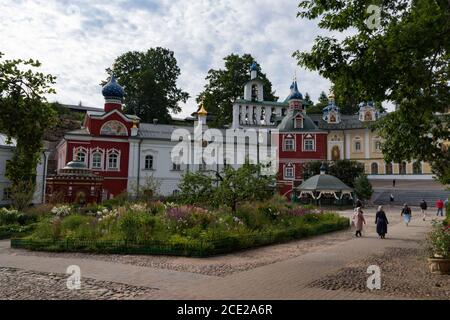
{"type": "Point", "coordinates": [358, 220]}
{"type": "Point", "coordinates": [381, 221]}
{"type": "Point", "coordinates": [406, 214]}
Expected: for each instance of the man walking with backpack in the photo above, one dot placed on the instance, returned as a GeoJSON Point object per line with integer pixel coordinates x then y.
{"type": "Point", "coordinates": [423, 207]}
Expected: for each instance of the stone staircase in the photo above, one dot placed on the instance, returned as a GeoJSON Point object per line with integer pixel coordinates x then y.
{"type": "Point", "coordinates": [411, 197]}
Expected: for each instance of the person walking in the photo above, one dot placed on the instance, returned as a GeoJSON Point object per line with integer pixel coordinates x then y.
{"type": "Point", "coordinates": [393, 183]}
{"type": "Point", "coordinates": [381, 222]}
{"type": "Point", "coordinates": [391, 199]}
{"type": "Point", "coordinates": [423, 207]}
{"type": "Point", "coordinates": [406, 214]}
{"type": "Point", "coordinates": [358, 220]}
{"type": "Point", "coordinates": [440, 207]}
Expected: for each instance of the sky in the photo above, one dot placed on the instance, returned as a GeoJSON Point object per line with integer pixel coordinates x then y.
{"type": "Point", "coordinates": [77, 40]}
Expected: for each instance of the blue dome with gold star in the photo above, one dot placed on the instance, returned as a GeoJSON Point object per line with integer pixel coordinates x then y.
{"type": "Point", "coordinates": [113, 90]}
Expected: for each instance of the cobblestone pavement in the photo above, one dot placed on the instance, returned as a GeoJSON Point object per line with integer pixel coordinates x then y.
{"type": "Point", "coordinates": [283, 271]}
{"type": "Point", "coordinates": [404, 272]}
{"type": "Point", "coordinates": [24, 285]}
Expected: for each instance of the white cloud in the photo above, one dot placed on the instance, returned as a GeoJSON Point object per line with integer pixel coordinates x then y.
{"type": "Point", "coordinates": [78, 40]}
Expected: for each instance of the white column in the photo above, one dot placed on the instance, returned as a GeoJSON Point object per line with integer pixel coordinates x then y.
{"type": "Point", "coordinates": [258, 115]}
{"type": "Point", "coordinates": [367, 144]}
{"type": "Point", "coordinates": [235, 116]}
{"type": "Point", "coordinates": [268, 112]}
{"type": "Point", "coordinates": [348, 145]}
{"type": "Point", "coordinates": [243, 113]}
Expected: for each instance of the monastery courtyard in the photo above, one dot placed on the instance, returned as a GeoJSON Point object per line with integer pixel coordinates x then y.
{"type": "Point", "coordinates": [331, 266]}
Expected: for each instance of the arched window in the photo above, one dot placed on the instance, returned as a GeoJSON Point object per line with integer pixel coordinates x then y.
{"type": "Point", "coordinates": [80, 154]}
{"type": "Point", "coordinates": [97, 160]}
{"type": "Point", "coordinates": [149, 162]}
{"type": "Point", "coordinates": [374, 168]}
{"type": "Point", "coordinates": [357, 144]}
{"type": "Point", "coordinates": [254, 92]}
{"type": "Point", "coordinates": [417, 167]}
{"type": "Point", "coordinates": [402, 168]}
{"type": "Point", "coordinates": [388, 168]}
{"type": "Point", "coordinates": [113, 160]}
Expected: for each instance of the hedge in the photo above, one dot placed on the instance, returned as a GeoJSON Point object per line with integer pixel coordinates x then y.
{"type": "Point", "coordinates": [192, 247]}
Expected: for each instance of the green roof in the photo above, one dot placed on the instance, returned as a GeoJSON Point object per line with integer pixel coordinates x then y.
{"type": "Point", "coordinates": [324, 182]}
{"type": "Point", "coordinates": [75, 165]}
{"type": "Point", "coordinates": [287, 124]}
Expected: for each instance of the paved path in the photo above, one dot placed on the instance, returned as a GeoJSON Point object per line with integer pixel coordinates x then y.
{"type": "Point", "coordinates": [287, 279]}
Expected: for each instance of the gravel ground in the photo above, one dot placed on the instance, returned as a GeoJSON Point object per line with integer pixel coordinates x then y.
{"type": "Point", "coordinates": [213, 266]}
{"type": "Point", "coordinates": [394, 263]}
{"type": "Point", "coordinates": [30, 285]}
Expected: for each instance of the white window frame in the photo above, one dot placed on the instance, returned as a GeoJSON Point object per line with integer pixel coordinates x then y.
{"type": "Point", "coordinates": [110, 153]}
{"type": "Point", "coordinates": [285, 175]}
{"type": "Point", "coordinates": [102, 158]}
{"type": "Point", "coordinates": [313, 140]}
{"type": "Point", "coordinates": [83, 150]}
{"type": "Point", "coordinates": [153, 162]}
{"type": "Point", "coordinates": [298, 118]}
{"type": "Point", "coordinates": [285, 144]}
{"type": "Point", "coordinates": [355, 141]}
{"type": "Point", "coordinates": [176, 166]}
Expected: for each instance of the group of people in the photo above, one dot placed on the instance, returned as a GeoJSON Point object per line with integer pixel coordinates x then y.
{"type": "Point", "coordinates": [381, 220]}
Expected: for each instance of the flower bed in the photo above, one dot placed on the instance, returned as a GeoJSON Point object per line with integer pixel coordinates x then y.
{"type": "Point", "coordinates": [172, 229]}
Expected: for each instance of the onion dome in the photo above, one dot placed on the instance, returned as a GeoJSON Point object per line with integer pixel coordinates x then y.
{"type": "Point", "coordinates": [295, 94]}
{"type": "Point", "coordinates": [202, 111]}
{"type": "Point", "coordinates": [113, 90]}
{"type": "Point", "coordinates": [254, 67]}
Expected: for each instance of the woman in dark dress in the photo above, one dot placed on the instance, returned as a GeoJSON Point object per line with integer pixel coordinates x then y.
{"type": "Point", "coordinates": [381, 221]}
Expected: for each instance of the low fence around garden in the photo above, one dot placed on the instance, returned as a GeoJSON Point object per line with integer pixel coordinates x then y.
{"type": "Point", "coordinates": [193, 247]}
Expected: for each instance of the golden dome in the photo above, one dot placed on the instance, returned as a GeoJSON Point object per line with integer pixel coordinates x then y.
{"type": "Point", "coordinates": [202, 111]}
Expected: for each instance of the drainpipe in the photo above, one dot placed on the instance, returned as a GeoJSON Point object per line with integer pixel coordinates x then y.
{"type": "Point", "coordinates": [139, 168]}
{"type": "Point", "coordinates": [44, 178]}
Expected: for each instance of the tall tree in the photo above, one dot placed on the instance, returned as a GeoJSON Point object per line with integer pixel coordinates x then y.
{"type": "Point", "coordinates": [226, 85]}
{"type": "Point", "coordinates": [397, 51]}
{"type": "Point", "coordinates": [150, 83]}
{"type": "Point", "coordinates": [25, 116]}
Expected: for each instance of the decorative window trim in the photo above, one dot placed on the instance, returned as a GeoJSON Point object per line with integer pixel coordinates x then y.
{"type": "Point", "coordinates": [313, 140]}
{"type": "Point", "coordinates": [285, 139]}
{"type": "Point", "coordinates": [109, 153]}
{"type": "Point", "coordinates": [356, 140]}
{"type": "Point", "coordinates": [102, 159]}
{"type": "Point", "coordinates": [81, 149]}
{"type": "Point", "coordinates": [288, 167]}
{"type": "Point", "coordinates": [374, 165]}
{"type": "Point", "coordinates": [152, 168]}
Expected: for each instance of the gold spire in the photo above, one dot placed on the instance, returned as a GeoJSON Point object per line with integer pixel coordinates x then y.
{"type": "Point", "coordinates": [331, 96]}
{"type": "Point", "coordinates": [202, 111]}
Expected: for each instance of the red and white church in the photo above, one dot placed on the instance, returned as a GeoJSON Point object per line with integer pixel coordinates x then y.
{"type": "Point", "coordinates": [114, 152]}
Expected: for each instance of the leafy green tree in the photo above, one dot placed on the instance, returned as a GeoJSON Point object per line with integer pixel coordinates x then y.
{"type": "Point", "coordinates": [363, 188]}
{"type": "Point", "coordinates": [402, 56]}
{"type": "Point", "coordinates": [346, 170]}
{"type": "Point", "coordinates": [318, 107]}
{"type": "Point", "coordinates": [25, 116]}
{"type": "Point", "coordinates": [196, 188]}
{"type": "Point", "coordinates": [150, 83]}
{"type": "Point", "coordinates": [224, 86]}
{"type": "Point", "coordinates": [243, 184]}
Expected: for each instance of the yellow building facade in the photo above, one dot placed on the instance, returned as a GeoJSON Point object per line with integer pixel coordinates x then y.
{"type": "Point", "coordinates": [350, 137]}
